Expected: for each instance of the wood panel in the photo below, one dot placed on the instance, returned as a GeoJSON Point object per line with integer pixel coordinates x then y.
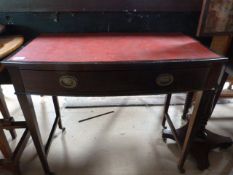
{"type": "Point", "coordinates": [115, 82]}
{"type": "Point", "coordinates": [28, 23]}
{"type": "Point", "coordinates": [216, 17]}
{"type": "Point", "coordinates": [99, 5]}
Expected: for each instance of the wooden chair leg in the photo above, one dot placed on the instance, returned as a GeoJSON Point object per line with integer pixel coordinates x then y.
{"type": "Point", "coordinates": [166, 107]}
{"type": "Point", "coordinates": [5, 113]}
{"type": "Point", "coordinates": [11, 162]}
{"type": "Point", "coordinates": [4, 145]}
{"type": "Point", "coordinates": [188, 104]}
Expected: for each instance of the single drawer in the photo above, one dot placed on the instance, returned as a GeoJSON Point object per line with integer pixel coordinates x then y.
{"type": "Point", "coordinates": [123, 82]}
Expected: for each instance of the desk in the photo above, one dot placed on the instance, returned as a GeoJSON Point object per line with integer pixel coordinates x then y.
{"type": "Point", "coordinates": [111, 65]}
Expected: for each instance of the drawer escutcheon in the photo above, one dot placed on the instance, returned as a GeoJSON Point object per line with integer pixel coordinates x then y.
{"type": "Point", "coordinates": [68, 81]}
{"type": "Point", "coordinates": [164, 79]}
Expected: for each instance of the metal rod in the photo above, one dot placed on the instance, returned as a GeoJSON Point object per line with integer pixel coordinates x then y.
{"type": "Point", "coordinates": [95, 116]}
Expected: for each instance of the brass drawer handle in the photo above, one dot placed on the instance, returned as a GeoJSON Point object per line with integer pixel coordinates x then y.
{"type": "Point", "coordinates": [68, 81]}
{"type": "Point", "coordinates": [164, 79]}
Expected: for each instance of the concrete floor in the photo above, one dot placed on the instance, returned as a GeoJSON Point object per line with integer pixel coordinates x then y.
{"type": "Point", "coordinates": [126, 142]}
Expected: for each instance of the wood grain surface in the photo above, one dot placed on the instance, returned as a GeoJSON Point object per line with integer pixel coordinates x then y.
{"type": "Point", "coordinates": [99, 5]}
{"type": "Point", "coordinates": [8, 44]}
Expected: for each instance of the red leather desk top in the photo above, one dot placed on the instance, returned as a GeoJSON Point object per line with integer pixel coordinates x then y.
{"type": "Point", "coordinates": [112, 48]}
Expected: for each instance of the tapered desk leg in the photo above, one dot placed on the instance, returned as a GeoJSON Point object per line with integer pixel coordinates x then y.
{"type": "Point", "coordinates": [166, 107]}
{"type": "Point", "coordinates": [57, 111]}
{"type": "Point", "coordinates": [30, 117]}
{"type": "Point", "coordinates": [57, 121]}
{"type": "Point", "coordinates": [5, 113]}
{"type": "Point", "coordinates": [195, 123]}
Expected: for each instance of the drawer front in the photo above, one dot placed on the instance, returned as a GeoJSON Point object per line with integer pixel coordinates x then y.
{"type": "Point", "coordinates": [113, 82]}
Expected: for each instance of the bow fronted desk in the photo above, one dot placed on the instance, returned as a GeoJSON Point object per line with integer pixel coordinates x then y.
{"type": "Point", "coordinates": [114, 65]}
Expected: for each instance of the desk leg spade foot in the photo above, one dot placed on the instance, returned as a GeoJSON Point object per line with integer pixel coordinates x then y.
{"type": "Point", "coordinates": [201, 145]}
{"type": "Point", "coordinates": [60, 125]}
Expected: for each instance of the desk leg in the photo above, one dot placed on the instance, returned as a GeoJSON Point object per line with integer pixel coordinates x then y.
{"type": "Point", "coordinates": [30, 117]}
{"type": "Point", "coordinates": [203, 101]}
{"type": "Point", "coordinates": [57, 111]}
{"type": "Point", "coordinates": [166, 107]}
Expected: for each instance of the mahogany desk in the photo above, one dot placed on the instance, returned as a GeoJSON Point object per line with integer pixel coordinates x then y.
{"type": "Point", "coordinates": [111, 65]}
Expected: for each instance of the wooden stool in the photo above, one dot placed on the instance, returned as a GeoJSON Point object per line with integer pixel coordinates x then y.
{"type": "Point", "coordinates": [8, 44]}
{"type": "Point", "coordinates": [11, 159]}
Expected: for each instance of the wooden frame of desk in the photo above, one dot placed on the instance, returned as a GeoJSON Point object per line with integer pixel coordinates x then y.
{"type": "Point", "coordinates": [113, 78]}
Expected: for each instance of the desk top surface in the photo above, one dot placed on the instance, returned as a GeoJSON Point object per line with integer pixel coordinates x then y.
{"type": "Point", "coordinates": [112, 48]}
